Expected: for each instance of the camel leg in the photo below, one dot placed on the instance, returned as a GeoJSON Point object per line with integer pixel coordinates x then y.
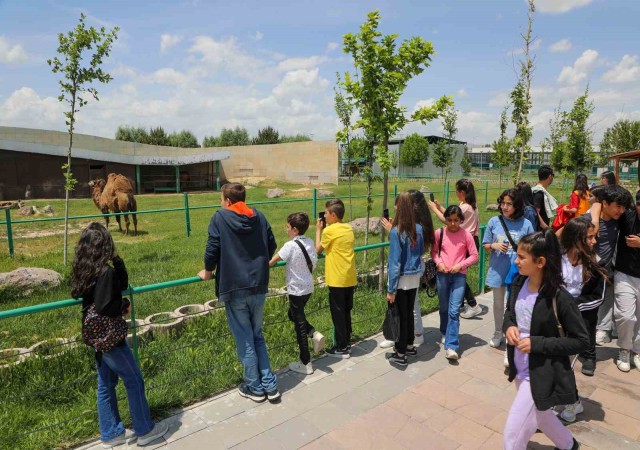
{"type": "Point", "coordinates": [126, 221]}
{"type": "Point", "coordinates": [133, 207]}
{"type": "Point", "coordinates": [119, 223]}
{"type": "Point", "coordinates": [106, 218]}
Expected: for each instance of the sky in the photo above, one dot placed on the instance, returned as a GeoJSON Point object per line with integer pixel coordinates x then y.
{"type": "Point", "coordinates": [207, 65]}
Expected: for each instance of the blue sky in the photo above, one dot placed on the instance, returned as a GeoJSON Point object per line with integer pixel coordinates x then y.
{"type": "Point", "coordinates": [204, 65]}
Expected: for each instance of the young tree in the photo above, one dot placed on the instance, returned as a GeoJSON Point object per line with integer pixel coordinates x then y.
{"type": "Point", "coordinates": [442, 157]}
{"type": "Point", "coordinates": [184, 139]}
{"type": "Point", "coordinates": [79, 72]}
{"type": "Point", "coordinates": [556, 143]}
{"type": "Point", "coordinates": [232, 138]}
{"type": "Point", "coordinates": [623, 136]}
{"type": "Point", "coordinates": [344, 110]}
{"type": "Point", "coordinates": [466, 165]}
{"type": "Point", "coordinates": [578, 153]}
{"type": "Point", "coordinates": [132, 134]}
{"type": "Point", "coordinates": [157, 136]}
{"type": "Point", "coordinates": [414, 151]}
{"type": "Point", "coordinates": [268, 135]}
{"type": "Point", "coordinates": [211, 141]}
{"type": "Point", "coordinates": [445, 153]}
{"type": "Point", "coordinates": [502, 156]}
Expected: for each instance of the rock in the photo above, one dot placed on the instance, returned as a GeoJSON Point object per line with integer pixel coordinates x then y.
{"type": "Point", "coordinates": [424, 189]}
{"type": "Point", "coordinates": [9, 205]}
{"type": "Point", "coordinates": [492, 207]}
{"type": "Point", "coordinates": [28, 278]}
{"type": "Point", "coordinates": [275, 193]}
{"type": "Point", "coordinates": [48, 209]}
{"type": "Point", "coordinates": [27, 211]}
{"type": "Point", "coordinates": [359, 225]}
{"type": "Point", "coordinates": [324, 193]}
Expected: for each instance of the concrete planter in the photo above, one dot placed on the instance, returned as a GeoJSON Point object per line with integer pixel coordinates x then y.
{"type": "Point", "coordinates": [190, 312]}
{"type": "Point", "coordinates": [143, 331]}
{"type": "Point", "coordinates": [164, 322]}
{"type": "Point", "coordinates": [213, 305]}
{"type": "Point", "coordinates": [12, 357]}
{"type": "Point", "coordinates": [320, 282]}
{"type": "Point", "coordinates": [369, 278]}
{"type": "Point", "coordinates": [275, 292]}
{"type": "Point", "coordinates": [49, 348]}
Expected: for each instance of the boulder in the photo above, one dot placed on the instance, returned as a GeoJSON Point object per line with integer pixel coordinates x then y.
{"type": "Point", "coordinates": [492, 207]}
{"type": "Point", "coordinates": [27, 211]}
{"type": "Point", "coordinates": [47, 209]}
{"type": "Point", "coordinates": [275, 193]}
{"type": "Point", "coordinates": [360, 225]}
{"type": "Point", "coordinates": [324, 193]}
{"type": "Point", "coordinates": [26, 279]}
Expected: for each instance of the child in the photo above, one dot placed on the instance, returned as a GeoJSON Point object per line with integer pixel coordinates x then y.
{"type": "Point", "coordinates": [340, 273]}
{"type": "Point", "coordinates": [100, 287]}
{"type": "Point", "coordinates": [585, 280]}
{"type": "Point", "coordinates": [300, 256]}
{"type": "Point", "coordinates": [406, 245]}
{"type": "Point", "coordinates": [530, 212]}
{"type": "Point", "coordinates": [579, 200]}
{"type": "Point", "coordinates": [538, 353]}
{"type": "Point", "coordinates": [453, 253]}
{"type": "Point", "coordinates": [466, 194]}
{"type": "Point", "coordinates": [497, 240]}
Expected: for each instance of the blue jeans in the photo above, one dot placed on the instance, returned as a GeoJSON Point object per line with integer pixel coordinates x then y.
{"type": "Point", "coordinates": [245, 320]}
{"type": "Point", "coordinates": [450, 294]}
{"type": "Point", "coordinates": [119, 362]}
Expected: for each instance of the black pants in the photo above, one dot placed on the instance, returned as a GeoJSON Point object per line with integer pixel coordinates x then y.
{"type": "Point", "coordinates": [303, 328]}
{"type": "Point", "coordinates": [590, 318]}
{"type": "Point", "coordinates": [405, 301]}
{"type": "Point", "coordinates": [468, 293]}
{"type": "Point", "coordinates": [341, 304]}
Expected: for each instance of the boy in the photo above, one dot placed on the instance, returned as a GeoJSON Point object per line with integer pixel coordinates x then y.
{"type": "Point", "coordinates": [300, 256]}
{"type": "Point", "coordinates": [338, 241]}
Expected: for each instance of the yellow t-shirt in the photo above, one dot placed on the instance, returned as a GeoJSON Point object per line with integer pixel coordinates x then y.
{"type": "Point", "coordinates": [338, 241]}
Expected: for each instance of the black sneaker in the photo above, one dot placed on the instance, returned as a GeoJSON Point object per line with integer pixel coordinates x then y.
{"type": "Point", "coordinates": [589, 367]}
{"type": "Point", "coordinates": [274, 396]}
{"type": "Point", "coordinates": [343, 353]}
{"type": "Point", "coordinates": [397, 359]}
{"type": "Point", "coordinates": [245, 392]}
{"type": "Point", "coordinates": [411, 351]}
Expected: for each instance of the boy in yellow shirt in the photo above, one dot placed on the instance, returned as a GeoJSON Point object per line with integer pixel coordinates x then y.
{"type": "Point", "coordinates": [338, 241]}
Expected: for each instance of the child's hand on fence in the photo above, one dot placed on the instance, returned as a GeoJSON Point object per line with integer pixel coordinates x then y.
{"type": "Point", "coordinates": [387, 224]}
{"type": "Point", "coordinates": [513, 335]}
{"type": "Point", "coordinates": [205, 275]}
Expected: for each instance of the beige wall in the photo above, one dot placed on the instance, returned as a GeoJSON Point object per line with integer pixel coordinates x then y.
{"type": "Point", "coordinates": [298, 162]}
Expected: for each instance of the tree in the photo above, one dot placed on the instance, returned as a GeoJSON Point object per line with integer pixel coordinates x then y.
{"type": "Point", "coordinates": [184, 139]}
{"type": "Point", "coordinates": [466, 165]}
{"type": "Point", "coordinates": [268, 135]}
{"type": "Point", "coordinates": [78, 75]}
{"type": "Point", "coordinates": [132, 134]}
{"type": "Point", "coordinates": [157, 136]}
{"type": "Point", "coordinates": [502, 156]}
{"type": "Point", "coordinates": [300, 137]}
{"type": "Point", "coordinates": [578, 153]}
{"type": "Point", "coordinates": [623, 136]}
{"type": "Point", "coordinates": [555, 142]}
{"type": "Point", "coordinates": [344, 110]}
{"type": "Point", "coordinates": [383, 70]}
{"type": "Point", "coordinates": [233, 138]}
{"type": "Point", "coordinates": [446, 153]}
{"type": "Point", "coordinates": [211, 141]}
{"type": "Point", "coordinates": [414, 151]}
{"type": "Point", "coordinates": [442, 157]}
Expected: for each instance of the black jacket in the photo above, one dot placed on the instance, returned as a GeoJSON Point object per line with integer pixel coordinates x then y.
{"type": "Point", "coordinates": [592, 294]}
{"type": "Point", "coordinates": [239, 249]}
{"type": "Point", "coordinates": [628, 259]}
{"type": "Point", "coordinates": [107, 292]}
{"type": "Point", "coordinates": [551, 376]}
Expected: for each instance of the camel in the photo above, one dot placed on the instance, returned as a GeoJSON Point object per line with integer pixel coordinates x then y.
{"type": "Point", "coordinates": [115, 195]}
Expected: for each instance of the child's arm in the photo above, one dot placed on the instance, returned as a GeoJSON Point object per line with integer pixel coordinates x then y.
{"type": "Point", "coordinates": [108, 295]}
{"type": "Point", "coordinates": [211, 252]}
{"type": "Point", "coordinates": [319, 228]}
{"type": "Point", "coordinates": [274, 260]}
{"type": "Point", "coordinates": [471, 250]}
{"type": "Point", "coordinates": [122, 276]}
{"type": "Point", "coordinates": [509, 324]}
{"type": "Point", "coordinates": [592, 293]}
{"type": "Point", "coordinates": [393, 269]}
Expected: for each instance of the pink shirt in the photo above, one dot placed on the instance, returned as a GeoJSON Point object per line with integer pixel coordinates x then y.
{"type": "Point", "coordinates": [470, 215]}
{"type": "Point", "coordinates": [455, 247]}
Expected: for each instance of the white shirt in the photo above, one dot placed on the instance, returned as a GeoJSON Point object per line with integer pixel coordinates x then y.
{"type": "Point", "coordinates": [572, 276]}
{"type": "Point", "coordinates": [299, 279]}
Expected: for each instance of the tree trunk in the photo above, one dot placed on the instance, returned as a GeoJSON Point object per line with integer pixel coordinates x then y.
{"type": "Point", "coordinates": [383, 233]}
{"type": "Point", "coordinates": [67, 187]}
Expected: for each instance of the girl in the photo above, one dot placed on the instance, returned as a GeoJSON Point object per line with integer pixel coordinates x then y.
{"type": "Point", "coordinates": [538, 351]}
{"type": "Point", "coordinates": [466, 193]}
{"type": "Point", "coordinates": [501, 231]}
{"type": "Point", "coordinates": [453, 252]}
{"type": "Point", "coordinates": [406, 246]}
{"type": "Point", "coordinates": [579, 200]}
{"type": "Point", "coordinates": [530, 212]}
{"type": "Point", "coordinates": [100, 286]}
{"type": "Point", "coordinates": [585, 280]}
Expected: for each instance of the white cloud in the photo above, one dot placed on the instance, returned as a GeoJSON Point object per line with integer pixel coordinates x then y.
{"type": "Point", "coordinates": [166, 75]}
{"type": "Point", "coordinates": [422, 103]}
{"type": "Point", "coordinates": [301, 63]}
{"type": "Point", "coordinates": [580, 70]}
{"type": "Point", "coordinates": [560, 6]}
{"type": "Point", "coordinates": [500, 99]}
{"type": "Point", "coordinates": [11, 54]}
{"type": "Point", "coordinates": [299, 84]}
{"type": "Point", "coordinates": [563, 45]}
{"type": "Point", "coordinates": [461, 93]}
{"type": "Point", "coordinates": [169, 40]}
{"type": "Point", "coordinates": [627, 70]}
{"type": "Point", "coordinates": [25, 108]}
{"type": "Point", "coordinates": [519, 51]}
{"type": "Point", "coordinates": [123, 71]}
{"type": "Point", "coordinates": [257, 36]}
{"type": "Point", "coordinates": [331, 46]}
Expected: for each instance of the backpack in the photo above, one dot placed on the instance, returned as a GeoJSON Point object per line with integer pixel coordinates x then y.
{"type": "Point", "coordinates": [101, 332]}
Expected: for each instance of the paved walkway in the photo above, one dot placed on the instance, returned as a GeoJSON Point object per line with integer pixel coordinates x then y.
{"type": "Point", "coordinates": [365, 403]}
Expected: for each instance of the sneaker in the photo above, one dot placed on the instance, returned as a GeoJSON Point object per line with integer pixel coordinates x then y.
{"type": "Point", "coordinates": [589, 367]}
{"type": "Point", "coordinates": [336, 352]}
{"type": "Point", "coordinates": [623, 360]}
{"type": "Point", "coordinates": [418, 339]}
{"type": "Point", "coordinates": [496, 340]}
{"type": "Point", "coordinates": [470, 312]}
{"type": "Point", "coordinates": [399, 360]}
{"type": "Point", "coordinates": [636, 361]}
{"type": "Point", "coordinates": [505, 361]}
{"type": "Point", "coordinates": [602, 337]}
{"type": "Point", "coordinates": [158, 431]}
{"type": "Point", "coordinates": [570, 412]}
{"type": "Point", "coordinates": [411, 351]}
{"type": "Point", "coordinates": [451, 354]}
{"type": "Point", "coordinates": [128, 437]}
{"type": "Point", "coordinates": [387, 344]}
{"type": "Point", "coordinates": [244, 391]}
{"type": "Point", "coordinates": [274, 396]}
{"type": "Point", "coordinates": [442, 340]}
{"type": "Point", "coordinates": [297, 366]}
{"type": "Point", "coordinates": [317, 339]}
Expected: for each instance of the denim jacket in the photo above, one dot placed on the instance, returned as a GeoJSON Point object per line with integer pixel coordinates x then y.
{"type": "Point", "coordinates": [404, 258]}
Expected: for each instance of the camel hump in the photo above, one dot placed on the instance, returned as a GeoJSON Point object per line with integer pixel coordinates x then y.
{"type": "Point", "coordinates": [119, 183]}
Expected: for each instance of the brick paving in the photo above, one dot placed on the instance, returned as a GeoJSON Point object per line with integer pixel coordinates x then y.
{"type": "Point", "coordinates": [365, 403]}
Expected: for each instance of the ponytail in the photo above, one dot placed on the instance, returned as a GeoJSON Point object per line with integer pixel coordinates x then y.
{"type": "Point", "coordinates": [545, 243]}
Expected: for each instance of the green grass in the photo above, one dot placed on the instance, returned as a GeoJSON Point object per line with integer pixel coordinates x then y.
{"type": "Point", "coordinates": [57, 396]}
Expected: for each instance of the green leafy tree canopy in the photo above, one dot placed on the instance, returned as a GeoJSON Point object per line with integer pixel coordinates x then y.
{"type": "Point", "coordinates": [414, 151]}
{"type": "Point", "coordinates": [268, 135]}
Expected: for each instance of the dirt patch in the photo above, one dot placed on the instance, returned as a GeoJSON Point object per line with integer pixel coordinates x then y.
{"type": "Point", "coordinates": [58, 230]}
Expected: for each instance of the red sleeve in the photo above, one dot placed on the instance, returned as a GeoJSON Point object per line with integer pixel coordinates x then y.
{"type": "Point", "coordinates": [574, 201]}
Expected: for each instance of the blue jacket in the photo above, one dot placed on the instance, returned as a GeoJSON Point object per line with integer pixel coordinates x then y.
{"type": "Point", "coordinates": [404, 258]}
{"type": "Point", "coordinates": [238, 249]}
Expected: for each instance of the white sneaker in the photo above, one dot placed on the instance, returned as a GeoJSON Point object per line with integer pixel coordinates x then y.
{"type": "Point", "coordinates": [418, 339]}
{"type": "Point", "coordinates": [159, 430]}
{"type": "Point", "coordinates": [623, 360]}
{"type": "Point", "coordinates": [506, 360]}
{"type": "Point", "coordinates": [468, 313]}
{"type": "Point", "coordinates": [128, 437]}
{"type": "Point", "coordinates": [305, 369]}
{"type": "Point", "coordinates": [318, 341]}
{"type": "Point", "coordinates": [570, 411]}
{"type": "Point", "coordinates": [442, 340]}
{"type": "Point", "coordinates": [602, 337]}
{"type": "Point", "coordinates": [451, 354]}
{"type": "Point", "coordinates": [387, 344]}
{"type": "Point", "coordinates": [636, 361]}
{"type": "Point", "coordinates": [496, 340]}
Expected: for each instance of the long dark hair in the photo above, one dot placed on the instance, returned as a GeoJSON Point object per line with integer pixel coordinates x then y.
{"type": "Point", "coordinates": [93, 252]}
{"type": "Point", "coordinates": [516, 198]}
{"type": "Point", "coordinates": [525, 192]}
{"type": "Point", "coordinates": [423, 217]}
{"type": "Point", "coordinates": [465, 185]}
{"type": "Point", "coordinates": [581, 185]}
{"type": "Point", "coordinates": [405, 219]}
{"type": "Point", "coordinates": [453, 209]}
{"type": "Point", "coordinates": [574, 235]}
{"type": "Point", "coordinates": [545, 243]}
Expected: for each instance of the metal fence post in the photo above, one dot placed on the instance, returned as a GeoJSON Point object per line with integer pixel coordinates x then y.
{"type": "Point", "coordinates": [134, 335]}
{"type": "Point", "coordinates": [486, 192]}
{"type": "Point", "coordinates": [314, 213]}
{"type": "Point", "coordinates": [395, 192]}
{"type": "Point", "coordinates": [446, 194]}
{"type": "Point", "coordinates": [9, 231]}
{"type": "Point", "coordinates": [187, 219]}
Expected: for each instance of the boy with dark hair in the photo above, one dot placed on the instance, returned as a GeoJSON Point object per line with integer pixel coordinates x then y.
{"type": "Point", "coordinates": [338, 240]}
{"type": "Point", "coordinates": [544, 202]}
{"type": "Point", "coordinates": [239, 246]}
{"type": "Point", "coordinates": [300, 255]}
